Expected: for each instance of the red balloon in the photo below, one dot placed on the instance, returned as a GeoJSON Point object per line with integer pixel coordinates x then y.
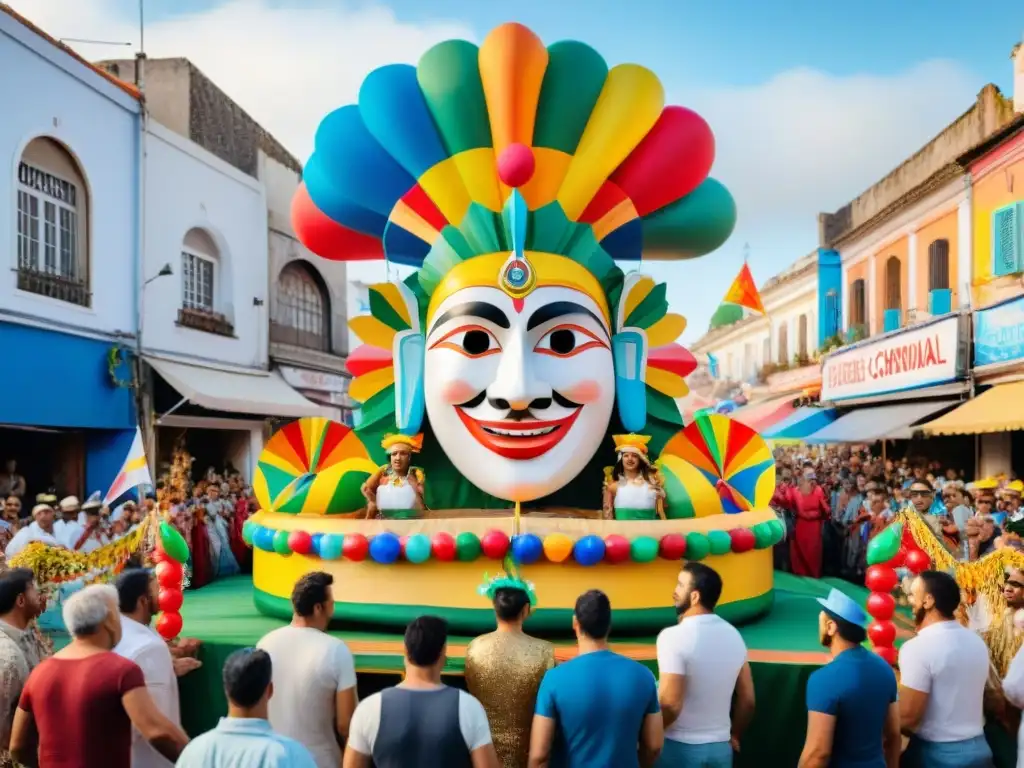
{"type": "Point", "coordinates": [881, 605]}
{"type": "Point", "coordinates": [169, 625]}
{"type": "Point", "coordinates": [888, 653]}
{"type": "Point", "coordinates": [616, 548]}
{"type": "Point", "coordinates": [170, 574]}
{"type": "Point", "coordinates": [743, 539]}
{"type": "Point", "coordinates": [300, 542]}
{"type": "Point", "coordinates": [898, 559]}
{"type": "Point", "coordinates": [170, 600]}
{"type": "Point", "coordinates": [882, 633]}
{"type": "Point", "coordinates": [918, 560]}
{"type": "Point", "coordinates": [442, 546]}
{"type": "Point", "coordinates": [880, 578]}
{"type": "Point", "coordinates": [494, 544]}
{"type": "Point", "coordinates": [355, 546]}
{"type": "Point", "coordinates": [908, 540]}
{"type": "Point", "coordinates": [672, 546]}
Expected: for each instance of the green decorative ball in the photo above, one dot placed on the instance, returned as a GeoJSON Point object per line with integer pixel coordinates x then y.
{"type": "Point", "coordinates": [697, 546]}
{"type": "Point", "coordinates": [467, 547]}
{"type": "Point", "coordinates": [762, 535]}
{"type": "Point", "coordinates": [281, 543]}
{"type": "Point", "coordinates": [173, 544]}
{"type": "Point", "coordinates": [248, 529]}
{"type": "Point", "coordinates": [778, 531]}
{"type": "Point", "coordinates": [720, 542]}
{"type": "Point", "coordinates": [643, 549]}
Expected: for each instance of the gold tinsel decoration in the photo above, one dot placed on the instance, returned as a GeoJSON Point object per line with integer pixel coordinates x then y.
{"type": "Point", "coordinates": [56, 565]}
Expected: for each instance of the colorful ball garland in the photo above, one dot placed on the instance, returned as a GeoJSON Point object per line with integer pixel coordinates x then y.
{"type": "Point", "coordinates": [528, 548]}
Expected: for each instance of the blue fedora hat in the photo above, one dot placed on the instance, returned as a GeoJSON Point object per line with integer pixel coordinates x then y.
{"type": "Point", "coordinates": [839, 605]}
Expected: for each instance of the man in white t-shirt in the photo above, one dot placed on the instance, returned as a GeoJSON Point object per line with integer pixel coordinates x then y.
{"type": "Point", "coordinates": [701, 662]}
{"type": "Point", "coordinates": [314, 674]}
{"type": "Point", "coordinates": [943, 671]}
{"type": "Point", "coordinates": [421, 723]}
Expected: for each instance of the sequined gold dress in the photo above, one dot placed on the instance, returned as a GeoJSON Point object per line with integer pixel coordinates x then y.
{"type": "Point", "coordinates": [503, 671]}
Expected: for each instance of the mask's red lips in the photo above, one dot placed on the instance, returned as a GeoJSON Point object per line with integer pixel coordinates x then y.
{"type": "Point", "coordinates": [519, 440]}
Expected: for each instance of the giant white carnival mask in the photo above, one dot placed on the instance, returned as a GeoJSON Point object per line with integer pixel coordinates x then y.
{"type": "Point", "coordinates": [519, 391]}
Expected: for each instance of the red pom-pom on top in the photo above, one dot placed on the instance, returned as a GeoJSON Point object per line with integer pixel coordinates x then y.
{"type": "Point", "coordinates": [516, 165]}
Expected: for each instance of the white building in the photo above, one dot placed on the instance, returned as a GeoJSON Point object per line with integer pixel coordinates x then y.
{"type": "Point", "coordinates": [752, 347]}
{"type": "Point", "coordinates": [69, 245]}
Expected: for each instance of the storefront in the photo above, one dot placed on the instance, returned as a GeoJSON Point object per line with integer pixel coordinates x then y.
{"type": "Point", "coordinates": [891, 384]}
{"type": "Point", "coordinates": [67, 409]}
{"type": "Point", "coordinates": [996, 413]}
{"type": "Point", "coordinates": [328, 389]}
{"type": "Point", "coordinates": [221, 415]}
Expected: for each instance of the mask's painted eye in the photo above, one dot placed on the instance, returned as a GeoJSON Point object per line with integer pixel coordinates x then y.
{"type": "Point", "coordinates": [567, 341]}
{"type": "Point", "coordinates": [469, 340]}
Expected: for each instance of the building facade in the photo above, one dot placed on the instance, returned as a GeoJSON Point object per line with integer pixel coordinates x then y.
{"type": "Point", "coordinates": [70, 242]}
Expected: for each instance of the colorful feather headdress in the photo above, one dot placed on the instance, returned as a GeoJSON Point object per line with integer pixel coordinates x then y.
{"type": "Point", "coordinates": [510, 579]}
{"type": "Point", "coordinates": [509, 163]}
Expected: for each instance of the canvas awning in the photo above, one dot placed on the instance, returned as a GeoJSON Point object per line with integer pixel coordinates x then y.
{"type": "Point", "coordinates": [761, 416]}
{"type": "Point", "coordinates": [865, 425]}
{"type": "Point", "coordinates": [999, 409]}
{"type": "Point", "coordinates": [263, 393]}
{"type": "Point", "coordinates": [802, 423]}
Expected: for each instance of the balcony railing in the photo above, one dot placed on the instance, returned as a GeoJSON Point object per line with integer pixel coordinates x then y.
{"type": "Point", "coordinates": [285, 334]}
{"type": "Point", "coordinates": [202, 320]}
{"type": "Point", "coordinates": [54, 286]}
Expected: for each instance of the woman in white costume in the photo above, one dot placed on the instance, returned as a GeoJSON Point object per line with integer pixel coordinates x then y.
{"type": "Point", "coordinates": [395, 491]}
{"type": "Point", "coordinates": [632, 489]}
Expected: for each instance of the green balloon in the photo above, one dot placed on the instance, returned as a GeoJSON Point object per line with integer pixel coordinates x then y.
{"type": "Point", "coordinates": [281, 543]}
{"type": "Point", "coordinates": [643, 549]}
{"type": "Point", "coordinates": [697, 546]}
{"type": "Point", "coordinates": [467, 547]}
{"type": "Point", "coordinates": [885, 545]}
{"type": "Point", "coordinates": [172, 543]}
{"type": "Point", "coordinates": [719, 541]}
{"type": "Point", "coordinates": [762, 535]}
{"type": "Point", "coordinates": [778, 531]}
{"type": "Point", "coordinates": [248, 529]}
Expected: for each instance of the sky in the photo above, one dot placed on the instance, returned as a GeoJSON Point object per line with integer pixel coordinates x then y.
{"type": "Point", "coordinates": [811, 102]}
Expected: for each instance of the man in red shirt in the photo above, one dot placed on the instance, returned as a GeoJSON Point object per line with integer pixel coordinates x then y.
{"type": "Point", "coordinates": [78, 707]}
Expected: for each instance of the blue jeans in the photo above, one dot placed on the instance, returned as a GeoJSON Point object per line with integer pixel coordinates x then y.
{"type": "Point", "coordinates": [972, 753]}
{"type": "Point", "coordinates": [675, 754]}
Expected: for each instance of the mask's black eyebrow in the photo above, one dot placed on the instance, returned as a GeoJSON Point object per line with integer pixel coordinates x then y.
{"type": "Point", "coordinates": [558, 309]}
{"type": "Point", "coordinates": [480, 309]}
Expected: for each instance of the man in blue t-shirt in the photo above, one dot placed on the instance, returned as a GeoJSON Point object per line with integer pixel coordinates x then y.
{"type": "Point", "coordinates": [595, 709]}
{"type": "Point", "coordinates": [853, 719]}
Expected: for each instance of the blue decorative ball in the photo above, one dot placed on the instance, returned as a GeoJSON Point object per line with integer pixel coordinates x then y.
{"type": "Point", "coordinates": [527, 548]}
{"type": "Point", "coordinates": [263, 538]}
{"type": "Point", "coordinates": [385, 548]}
{"type": "Point", "coordinates": [330, 546]}
{"type": "Point", "coordinates": [589, 550]}
{"type": "Point", "coordinates": [317, 538]}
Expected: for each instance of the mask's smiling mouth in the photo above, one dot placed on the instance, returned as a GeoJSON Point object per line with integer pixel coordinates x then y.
{"type": "Point", "coordinates": [518, 440]}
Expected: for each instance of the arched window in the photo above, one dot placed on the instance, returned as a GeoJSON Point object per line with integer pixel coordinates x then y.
{"type": "Point", "coordinates": [301, 309]}
{"type": "Point", "coordinates": [783, 344]}
{"type": "Point", "coordinates": [202, 306]}
{"type": "Point", "coordinates": [938, 265]}
{"type": "Point", "coordinates": [858, 304]}
{"type": "Point", "coordinates": [53, 223]}
{"type": "Point", "coordinates": [802, 350]}
{"type": "Point", "coordinates": [893, 283]}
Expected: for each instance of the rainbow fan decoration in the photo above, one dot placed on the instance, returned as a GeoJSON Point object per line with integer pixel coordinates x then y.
{"type": "Point", "coordinates": [312, 466]}
{"type": "Point", "coordinates": [716, 465]}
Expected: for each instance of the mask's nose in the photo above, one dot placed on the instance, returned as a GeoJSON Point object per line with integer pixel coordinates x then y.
{"type": "Point", "coordinates": [515, 385]}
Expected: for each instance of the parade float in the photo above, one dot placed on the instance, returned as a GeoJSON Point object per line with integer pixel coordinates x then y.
{"type": "Point", "coordinates": [518, 392]}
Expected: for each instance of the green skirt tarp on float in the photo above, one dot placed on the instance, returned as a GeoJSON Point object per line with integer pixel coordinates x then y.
{"type": "Point", "coordinates": [636, 514]}
{"type": "Point", "coordinates": [399, 514]}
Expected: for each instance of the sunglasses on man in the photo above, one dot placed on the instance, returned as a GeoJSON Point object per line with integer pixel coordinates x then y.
{"type": "Point", "coordinates": [919, 492]}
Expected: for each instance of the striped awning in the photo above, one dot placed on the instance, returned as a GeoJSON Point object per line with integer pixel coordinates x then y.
{"type": "Point", "coordinates": [802, 423]}
{"type": "Point", "coordinates": [999, 409]}
{"type": "Point", "coordinates": [865, 425]}
{"type": "Point", "coordinates": [761, 416]}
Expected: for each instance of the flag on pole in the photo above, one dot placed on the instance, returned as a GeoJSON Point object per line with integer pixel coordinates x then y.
{"type": "Point", "coordinates": [134, 472]}
{"type": "Point", "coordinates": [744, 293]}
{"type": "Point", "coordinates": [712, 366]}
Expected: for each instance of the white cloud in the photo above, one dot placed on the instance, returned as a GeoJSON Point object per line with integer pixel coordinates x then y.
{"type": "Point", "coordinates": [802, 142]}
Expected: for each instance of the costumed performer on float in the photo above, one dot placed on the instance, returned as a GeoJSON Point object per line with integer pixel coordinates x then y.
{"type": "Point", "coordinates": [633, 489]}
{"type": "Point", "coordinates": [504, 668]}
{"type": "Point", "coordinates": [395, 492]}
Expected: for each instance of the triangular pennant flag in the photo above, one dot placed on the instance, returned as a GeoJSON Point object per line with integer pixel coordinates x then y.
{"type": "Point", "coordinates": [744, 293]}
{"type": "Point", "coordinates": [134, 472]}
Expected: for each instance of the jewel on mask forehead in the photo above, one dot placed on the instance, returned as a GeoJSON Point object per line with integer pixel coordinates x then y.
{"type": "Point", "coordinates": [517, 277]}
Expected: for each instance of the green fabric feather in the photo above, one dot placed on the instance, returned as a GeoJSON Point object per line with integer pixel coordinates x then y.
{"type": "Point", "coordinates": [381, 309]}
{"type": "Point", "coordinates": [650, 310]}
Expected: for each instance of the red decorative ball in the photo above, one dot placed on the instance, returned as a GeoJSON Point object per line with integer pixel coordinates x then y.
{"type": "Point", "coordinates": [743, 539]}
{"type": "Point", "coordinates": [672, 546]}
{"type": "Point", "coordinates": [442, 546]}
{"type": "Point", "coordinates": [888, 653]}
{"type": "Point", "coordinates": [898, 559]}
{"type": "Point", "coordinates": [169, 625]}
{"type": "Point", "coordinates": [300, 542]}
{"type": "Point", "coordinates": [170, 574]}
{"type": "Point", "coordinates": [882, 633]}
{"type": "Point", "coordinates": [881, 605]}
{"type": "Point", "coordinates": [918, 560]}
{"type": "Point", "coordinates": [170, 600]}
{"type": "Point", "coordinates": [494, 544]}
{"type": "Point", "coordinates": [516, 165]}
{"type": "Point", "coordinates": [907, 539]}
{"type": "Point", "coordinates": [880, 578]}
{"type": "Point", "coordinates": [355, 547]}
{"type": "Point", "coordinates": [616, 548]}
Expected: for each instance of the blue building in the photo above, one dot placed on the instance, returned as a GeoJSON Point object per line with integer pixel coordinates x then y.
{"type": "Point", "coordinates": [69, 245]}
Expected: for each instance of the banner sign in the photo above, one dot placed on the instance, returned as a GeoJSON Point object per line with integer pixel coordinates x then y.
{"type": "Point", "coordinates": [999, 333]}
